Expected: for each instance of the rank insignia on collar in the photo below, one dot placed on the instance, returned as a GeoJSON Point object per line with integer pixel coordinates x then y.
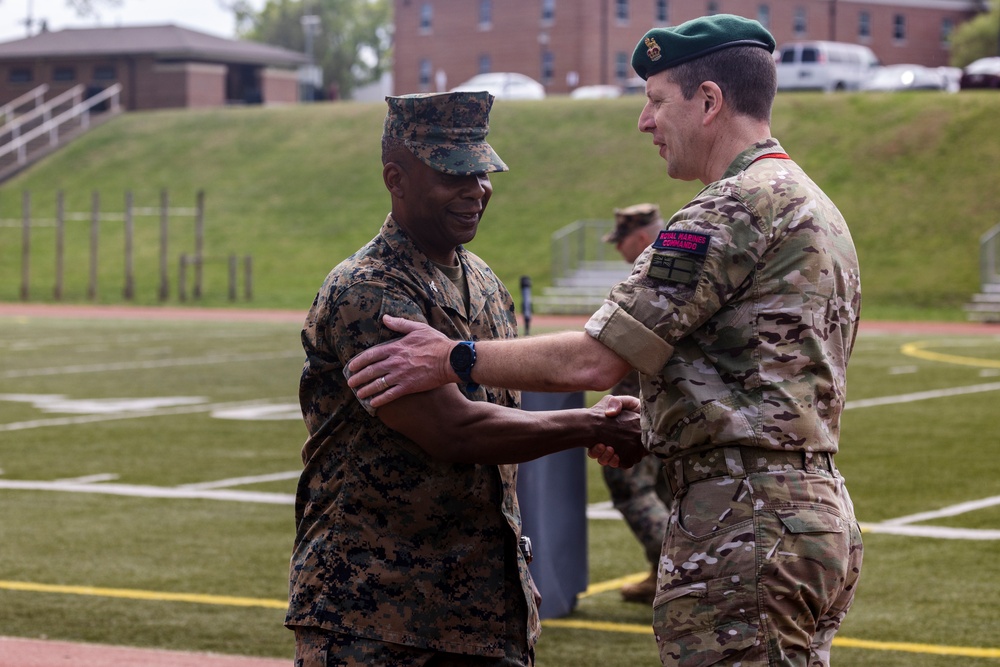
{"type": "Point", "coordinates": [653, 49]}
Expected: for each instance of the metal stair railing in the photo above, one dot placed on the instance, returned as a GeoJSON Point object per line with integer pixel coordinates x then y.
{"type": "Point", "coordinates": [51, 127]}
{"type": "Point", "coordinates": [9, 110]}
{"type": "Point", "coordinates": [578, 243]}
{"type": "Point", "coordinates": [44, 111]}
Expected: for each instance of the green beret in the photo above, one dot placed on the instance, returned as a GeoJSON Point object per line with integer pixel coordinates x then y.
{"type": "Point", "coordinates": [663, 48]}
{"type": "Point", "coordinates": [446, 131]}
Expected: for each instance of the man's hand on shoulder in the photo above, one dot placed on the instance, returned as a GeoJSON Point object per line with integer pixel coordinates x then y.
{"type": "Point", "coordinates": [414, 363]}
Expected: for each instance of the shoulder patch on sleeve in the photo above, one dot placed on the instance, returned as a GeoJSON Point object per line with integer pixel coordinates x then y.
{"type": "Point", "coordinates": [677, 256]}
{"type": "Point", "coordinates": [694, 243]}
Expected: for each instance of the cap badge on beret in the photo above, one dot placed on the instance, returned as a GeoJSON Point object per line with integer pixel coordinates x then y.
{"type": "Point", "coordinates": [653, 49]}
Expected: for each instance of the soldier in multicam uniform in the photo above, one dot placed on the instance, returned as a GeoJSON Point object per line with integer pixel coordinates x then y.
{"type": "Point", "coordinates": [408, 526]}
{"type": "Point", "coordinates": [640, 493]}
{"type": "Point", "coordinates": [740, 319]}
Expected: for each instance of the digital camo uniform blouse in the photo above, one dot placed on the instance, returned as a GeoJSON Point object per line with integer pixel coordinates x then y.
{"type": "Point", "coordinates": [742, 315]}
{"type": "Point", "coordinates": [392, 544]}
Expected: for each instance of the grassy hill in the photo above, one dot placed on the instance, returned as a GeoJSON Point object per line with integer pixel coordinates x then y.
{"type": "Point", "coordinates": [299, 189]}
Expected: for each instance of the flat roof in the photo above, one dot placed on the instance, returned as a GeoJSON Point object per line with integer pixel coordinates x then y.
{"type": "Point", "coordinates": [159, 41]}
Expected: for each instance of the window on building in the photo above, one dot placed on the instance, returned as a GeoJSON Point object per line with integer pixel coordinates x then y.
{"type": "Point", "coordinates": [426, 17]}
{"type": "Point", "coordinates": [548, 11]}
{"type": "Point", "coordinates": [20, 75]}
{"type": "Point", "coordinates": [426, 73]}
{"type": "Point", "coordinates": [947, 26]}
{"type": "Point", "coordinates": [764, 16]}
{"type": "Point", "coordinates": [64, 74]}
{"type": "Point", "coordinates": [799, 24]}
{"type": "Point", "coordinates": [864, 25]}
{"type": "Point", "coordinates": [662, 12]}
{"type": "Point", "coordinates": [899, 27]}
{"type": "Point", "coordinates": [712, 8]}
{"type": "Point", "coordinates": [548, 66]}
{"type": "Point", "coordinates": [623, 66]}
{"type": "Point", "coordinates": [485, 14]}
{"type": "Point", "coordinates": [105, 73]}
{"type": "Point", "coordinates": [621, 10]}
{"type": "Point", "coordinates": [485, 63]}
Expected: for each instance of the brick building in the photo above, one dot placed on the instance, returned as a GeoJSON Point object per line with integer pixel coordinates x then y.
{"type": "Point", "coordinates": [157, 66]}
{"type": "Point", "coordinates": [565, 43]}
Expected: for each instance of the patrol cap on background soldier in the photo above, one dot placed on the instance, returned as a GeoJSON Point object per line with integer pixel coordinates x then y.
{"type": "Point", "coordinates": [631, 218]}
{"type": "Point", "coordinates": [446, 131]}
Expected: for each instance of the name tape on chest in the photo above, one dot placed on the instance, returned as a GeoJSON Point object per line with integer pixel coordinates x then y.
{"type": "Point", "coordinates": [677, 256]}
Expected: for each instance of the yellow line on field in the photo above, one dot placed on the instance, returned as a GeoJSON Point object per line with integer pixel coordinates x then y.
{"type": "Point", "coordinates": [600, 626]}
{"type": "Point", "coordinates": [132, 594]}
{"type": "Point", "coordinates": [917, 350]}
{"type": "Point", "coordinates": [613, 584]}
{"type": "Point", "coordinates": [965, 651]}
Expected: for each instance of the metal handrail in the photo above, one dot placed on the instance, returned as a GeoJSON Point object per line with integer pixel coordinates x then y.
{"type": "Point", "coordinates": [8, 109]}
{"type": "Point", "coordinates": [579, 242]}
{"type": "Point", "coordinates": [52, 126]}
{"type": "Point", "coordinates": [75, 93]}
{"type": "Point", "coordinates": [989, 252]}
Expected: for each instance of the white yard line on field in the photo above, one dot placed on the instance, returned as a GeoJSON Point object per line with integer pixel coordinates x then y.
{"type": "Point", "coordinates": [129, 414]}
{"type": "Point", "coordinates": [922, 395]}
{"type": "Point", "coordinates": [145, 365]}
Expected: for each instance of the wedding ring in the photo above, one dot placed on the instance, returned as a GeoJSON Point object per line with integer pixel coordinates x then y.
{"type": "Point", "coordinates": [382, 384]}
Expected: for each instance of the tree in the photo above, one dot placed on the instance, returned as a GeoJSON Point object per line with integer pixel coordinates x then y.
{"type": "Point", "coordinates": [350, 39]}
{"type": "Point", "coordinates": [976, 39]}
{"type": "Point", "coordinates": [90, 7]}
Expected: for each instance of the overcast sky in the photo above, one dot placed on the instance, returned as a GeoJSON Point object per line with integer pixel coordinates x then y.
{"type": "Point", "coordinates": [203, 15]}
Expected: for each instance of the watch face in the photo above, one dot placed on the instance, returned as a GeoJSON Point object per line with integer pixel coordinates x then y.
{"type": "Point", "coordinates": [461, 357]}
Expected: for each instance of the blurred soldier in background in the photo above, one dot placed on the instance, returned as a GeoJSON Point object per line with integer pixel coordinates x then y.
{"type": "Point", "coordinates": [640, 493]}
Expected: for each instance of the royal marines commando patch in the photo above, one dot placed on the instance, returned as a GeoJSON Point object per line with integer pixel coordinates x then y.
{"type": "Point", "coordinates": [678, 256]}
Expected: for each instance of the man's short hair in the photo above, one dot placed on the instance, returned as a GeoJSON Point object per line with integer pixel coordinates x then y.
{"type": "Point", "coordinates": [745, 74]}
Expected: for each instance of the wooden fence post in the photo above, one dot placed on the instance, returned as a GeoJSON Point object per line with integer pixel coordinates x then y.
{"type": "Point", "coordinates": [25, 246]}
{"type": "Point", "coordinates": [95, 220]}
{"type": "Point", "coordinates": [129, 291]}
{"type": "Point", "coordinates": [199, 243]}
{"type": "Point", "coordinates": [164, 280]}
{"type": "Point", "coordinates": [57, 292]}
{"type": "Point", "coordinates": [182, 277]}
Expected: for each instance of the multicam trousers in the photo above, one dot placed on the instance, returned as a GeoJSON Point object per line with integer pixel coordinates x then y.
{"type": "Point", "coordinates": [759, 566]}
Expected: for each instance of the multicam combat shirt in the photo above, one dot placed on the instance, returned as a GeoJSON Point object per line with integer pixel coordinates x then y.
{"type": "Point", "coordinates": [742, 315]}
{"type": "Point", "coordinates": [392, 544]}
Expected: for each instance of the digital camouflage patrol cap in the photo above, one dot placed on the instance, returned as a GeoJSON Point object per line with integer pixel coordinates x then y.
{"type": "Point", "coordinates": [663, 48]}
{"type": "Point", "coordinates": [446, 131]}
{"type": "Point", "coordinates": [631, 218]}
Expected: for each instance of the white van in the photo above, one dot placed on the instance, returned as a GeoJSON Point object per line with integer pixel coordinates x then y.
{"type": "Point", "coordinates": [826, 66]}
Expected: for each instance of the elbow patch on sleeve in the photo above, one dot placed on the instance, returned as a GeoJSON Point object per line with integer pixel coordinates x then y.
{"type": "Point", "coordinates": [629, 338]}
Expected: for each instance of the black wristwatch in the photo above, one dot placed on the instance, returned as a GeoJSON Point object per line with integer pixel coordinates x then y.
{"type": "Point", "coordinates": [463, 358]}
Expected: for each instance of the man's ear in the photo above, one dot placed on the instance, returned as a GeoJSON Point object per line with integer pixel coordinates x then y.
{"type": "Point", "coordinates": [711, 99]}
{"type": "Point", "coordinates": [394, 178]}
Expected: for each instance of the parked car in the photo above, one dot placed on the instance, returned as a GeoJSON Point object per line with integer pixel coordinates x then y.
{"type": "Point", "coordinates": [504, 85]}
{"type": "Point", "coordinates": [596, 92]}
{"type": "Point", "coordinates": [982, 73]}
{"type": "Point", "coordinates": [827, 66]}
{"type": "Point", "coordinates": [905, 77]}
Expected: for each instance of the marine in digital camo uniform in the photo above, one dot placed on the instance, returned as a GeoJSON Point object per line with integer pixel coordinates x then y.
{"type": "Point", "coordinates": [408, 526]}
{"type": "Point", "coordinates": [640, 493]}
{"type": "Point", "coordinates": [740, 319]}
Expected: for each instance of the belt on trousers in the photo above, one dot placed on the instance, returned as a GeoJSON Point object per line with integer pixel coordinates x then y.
{"type": "Point", "coordinates": [739, 462]}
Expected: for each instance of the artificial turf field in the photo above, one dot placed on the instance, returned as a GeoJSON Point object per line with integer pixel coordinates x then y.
{"type": "Point", "coordinates": [147, 467]}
